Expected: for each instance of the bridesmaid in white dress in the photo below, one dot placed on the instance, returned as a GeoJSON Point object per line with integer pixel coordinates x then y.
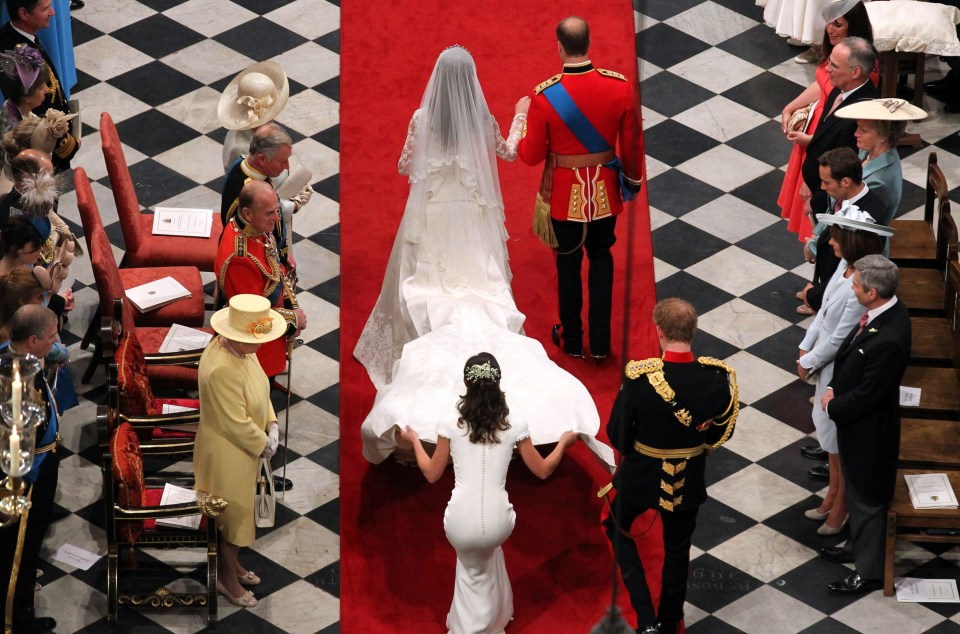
{"type": "Point", "coordinates": [479, 516]}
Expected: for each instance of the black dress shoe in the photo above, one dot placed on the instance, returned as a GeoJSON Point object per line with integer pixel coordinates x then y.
{"type": "Point", "coordinates": [952, 107]}
{"type": "Point", "coordinates": [282, 484]}
{"type": "Point", "coordinates": [938, 84]}
{"type": "Point", "coordinates": [837, 554]}
{"type": "Point", "coordinates": [813, 452]}
{"type": "Point", "coordinates": [77, 4]}
{"type": "Point", "coordinates": [39, 625]}
{"type": "Point", "coordinates": [854, 584]}
{"type": "Point", "coordinates": [820, 472]}
{"type": "Point", "coordinates": [571, 350]}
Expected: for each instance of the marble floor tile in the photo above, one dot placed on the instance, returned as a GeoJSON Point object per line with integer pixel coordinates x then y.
{"type": "Point", "coordinates": [197, 109]}
{"type": "Point", "coordinates": [208, 61]}
{"type": "Point", "coordinates": [110, 15]}
{"type": "Point", "coordinates": [309, 18]}
{"type": "Point", "coordinates": [715, 70]}
{"type": "Point", "coordinates": [198, 158]}
{"type": "Point", "coordinates": [758, 435]}
{"type": "Point", "coordinates": [322, 485]}
{"type": "Point", "coordinates": [915, 166]}
{"type": "Point", "coordinates": [757, 492]}
{"type": "Point", "coordinates": [642, 21]}
{"type": "Point", "coordinates": [646, 69]}
{"type": "Point", "coordinates": [302, 546]}
{"type": "Point", "coordinates": [309, 112]}
{"type": "Point", "coordinates": [106, 57]}
{"type": "Point", "coordinates": [104, 97]}
{"type": "Point", "coordinates": [322, 316]}
{"type": "Point", "coordinates": [210, 17]}
{"type": "Point", "coordinates": [199, 197]}
{"type": "Point", "coordinates": [741, 323]}
{"type": "Point", "coordinates": [757, 378]}
{"type": "Point", "coordinates": [313, 372]}
{"type": "Point", "coordinates": [735, 270]}
{"type": "Point", "coordinates": [876, 613]}
{"type": "Point", "coordinates": [769, 610]}
{"type": "Point", "coordinates": [659, 218]}
{"type": "Point", "coordinates": [322, 161]}
{"type": "Point", "coordinates": [801, 74]}
{"type": "Point", "coordinates": [315, 264]}
{"type": "Point", "coordinates": [662, 270]}
{"type": "Point", "coordinates": [654, 167]}
{"type": "Point", "coordinates": [721, 118]}
{"type": "Point", "coordinates": [729, 218]}
{"type": "Point", "coordinates": [314, 428]}
{"type": "Point", "coordinates": [310, 64]}
{"type": "Point", "coordinates": [724, 167]}
{"type": "Point", "coordinates": [763, 552]}
{"type": "Point", "coordinates": [318, 214]}
{"type": "Point", "coordinates": [299, 607]}
{"type": "Point", "coordinates": [87, 607]}
{"type": "Point", "coordinates": [650, 118]}
{"type": "Point", "coordinates": [83, 487]}
{"type": "Point", "coordinates": [711, 22]}
{"type": "Point", "coordinates": [75, 531]}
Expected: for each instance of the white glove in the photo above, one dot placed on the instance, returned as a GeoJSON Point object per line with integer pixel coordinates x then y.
{"type": "Point", "coordinates": [273, 441]}
{"type": "Point", "coordinates": [302, 198]}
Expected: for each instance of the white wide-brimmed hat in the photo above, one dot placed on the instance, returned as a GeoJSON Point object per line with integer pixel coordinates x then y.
{"type": "Point", "coordinates": [249, 319]}
{"type": "Point", "coordinates": [254, 97]}
{"type": "Point", "coordinates": [855, 219]}
{"type": "Point", "coordinates": [889, 109]}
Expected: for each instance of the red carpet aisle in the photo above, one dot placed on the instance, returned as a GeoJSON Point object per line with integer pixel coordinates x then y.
{"type": "Point", "coordinates": [397, 567]}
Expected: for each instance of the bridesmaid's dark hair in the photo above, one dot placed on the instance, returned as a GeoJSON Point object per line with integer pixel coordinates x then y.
{"type": "Point", "coordinates": [483, 409]}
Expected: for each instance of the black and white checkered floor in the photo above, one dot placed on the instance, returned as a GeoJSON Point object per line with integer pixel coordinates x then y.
{"type": "Point", "coordinates": [714, 82]}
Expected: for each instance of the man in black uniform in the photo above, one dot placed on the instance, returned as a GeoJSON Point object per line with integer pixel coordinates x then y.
{"type": "Point", "coordinates": [33, 329]}
{"type": "Point", "coordinates": [668, 414]}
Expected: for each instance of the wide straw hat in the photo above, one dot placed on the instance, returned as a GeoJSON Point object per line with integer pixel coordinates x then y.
{"type": "Point", "coordinates": [248, 319]}
{"type": "Point", "coordinates": [254, 97]}
{"type": "Point", "coordinates": [882, 110]}
{"type": "Point", "coordinates": [855, 219]}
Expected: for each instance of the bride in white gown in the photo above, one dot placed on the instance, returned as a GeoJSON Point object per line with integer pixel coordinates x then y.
{"type": "Point", "coordinates": [446, 293]}
{"type": "Point", "coordinates": [479, 516]}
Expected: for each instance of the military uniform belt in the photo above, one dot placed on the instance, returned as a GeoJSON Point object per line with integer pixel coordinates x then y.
{"type": "Point", "coordinates": [585, 160]}
{"type": "Point", "coordinates": [51, 447]}
{"type": "Point", "coordinates": [675, 454]}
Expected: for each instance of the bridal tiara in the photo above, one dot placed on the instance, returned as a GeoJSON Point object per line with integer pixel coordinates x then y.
{"type": "Point", "coordinates": [459, 46]}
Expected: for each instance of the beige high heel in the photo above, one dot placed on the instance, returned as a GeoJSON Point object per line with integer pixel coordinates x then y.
{"type": "Point", "coordinates": [246, 600]}
{"type": "Point", "coordinates": [829, 530]}
{"type": "Point", "coordinates": [248, 579]}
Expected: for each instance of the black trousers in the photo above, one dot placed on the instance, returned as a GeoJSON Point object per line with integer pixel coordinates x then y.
{"type": "Point", "coordinates": [598, 241]}
{"type": "Point", "coordinates": [38, 520]}
{"type": "Point", "coordinates": [678, 528]}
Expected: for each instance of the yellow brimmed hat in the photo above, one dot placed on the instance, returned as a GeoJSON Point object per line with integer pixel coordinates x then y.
{"type": "Point", "coordinates": [249, 319]}
{"type": "Point", "coordinates": [254, 97]}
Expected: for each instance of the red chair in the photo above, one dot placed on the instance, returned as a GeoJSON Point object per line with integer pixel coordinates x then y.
{"type": "Point", "coordinates": [142, 247]}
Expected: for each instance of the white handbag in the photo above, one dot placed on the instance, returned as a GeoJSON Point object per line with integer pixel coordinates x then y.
{"type": "Point", "coordinates": [265, 502]}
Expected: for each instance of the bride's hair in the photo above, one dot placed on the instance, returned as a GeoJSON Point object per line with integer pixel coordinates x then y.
{"type": "Point", "coordinates": [483, 409]}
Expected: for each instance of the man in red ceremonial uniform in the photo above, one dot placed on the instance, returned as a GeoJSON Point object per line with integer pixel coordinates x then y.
{"type": "Point", "coordinates": [573, 125]}
{"type": "Point", "coordinates": [247, 262]}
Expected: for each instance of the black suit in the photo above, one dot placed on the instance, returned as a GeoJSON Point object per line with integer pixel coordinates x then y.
{"type": "Point", "coordinates": [10, 38]}
{"type": "Point", "coordinates": [662, 442]}
{"type": "Point", "coordinates": [866, 409]}
{"type": "Point", "coordinates": [832, 132]}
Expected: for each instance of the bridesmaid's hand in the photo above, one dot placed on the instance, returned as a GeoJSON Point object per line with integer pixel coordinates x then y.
{"type": "Point", "coordinates": [409, 435]}
{"type": "Point", "coordinates": [522, 106]}
{"type": "Point", "coordinates": [569, 438]}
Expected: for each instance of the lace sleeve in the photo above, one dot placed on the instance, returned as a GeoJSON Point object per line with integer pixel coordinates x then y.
{"type": "Point", "coordinates": [507, 148]}
{"type": "Point", "coordinates": [406, 156]}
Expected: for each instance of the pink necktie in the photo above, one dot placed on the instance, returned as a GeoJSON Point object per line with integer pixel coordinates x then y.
{"type": "Point", "coordinates": [835, 104]}
{"type": "Point", "coordinates": [837, 205]}
{"type": "Point", "coordinates": [864, 318]}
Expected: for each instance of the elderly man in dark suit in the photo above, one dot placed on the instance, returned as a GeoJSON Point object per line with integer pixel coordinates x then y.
{"type": "Point", "coordinates": [864, 401]}
{"type": "Point", "coordinates": [849, 67]}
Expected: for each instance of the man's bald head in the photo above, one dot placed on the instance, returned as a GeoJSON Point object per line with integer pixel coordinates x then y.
{"type": "Point", "coordinates": [40, 158]}
{"type": "Point", "coordinates": [573, 33]}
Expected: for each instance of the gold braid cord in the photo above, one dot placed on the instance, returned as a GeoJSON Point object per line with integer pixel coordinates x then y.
{"type": "Point", "coordinates": [15, 569]}
{"type": "Point", "coordinates": [729, 415]}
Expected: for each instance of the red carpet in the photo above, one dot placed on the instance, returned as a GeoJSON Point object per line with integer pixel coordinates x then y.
{"type": "Point", "coordinates": [396, 565]}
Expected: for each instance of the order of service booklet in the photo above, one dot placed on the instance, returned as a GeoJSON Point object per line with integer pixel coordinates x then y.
{"type": "Point", "coordinates": [157, 293]}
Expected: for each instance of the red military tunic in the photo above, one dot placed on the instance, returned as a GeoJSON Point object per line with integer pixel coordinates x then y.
{"type": "Point", "coordinates": [249, 264]}
{"type": "Point", "coordinates": [609, 102]}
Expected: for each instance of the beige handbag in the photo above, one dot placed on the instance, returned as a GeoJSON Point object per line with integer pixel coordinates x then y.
{"type": "Point", "coordinates": [800, 119]}
{"type": "Point", "coordinates": [265, 502]}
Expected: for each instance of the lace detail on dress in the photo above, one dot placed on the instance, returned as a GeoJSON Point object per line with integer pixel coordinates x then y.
{"type": "Point", "coordinates": [406, 155]}
{"type": "Point", "coordinates": [507, 148]}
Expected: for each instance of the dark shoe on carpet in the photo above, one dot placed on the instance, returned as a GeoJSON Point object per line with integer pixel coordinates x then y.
{"type": "Point", "coordinates": [854, 584]}
{"type": "Point", "coordinates": [668, 627]}
{"type": "Point", "coordinates": [836, 554]}
{"type": "Point", "coordinates": [77, 4]}
{"type": "Point", "coordinates": [282, 484]}
{"type": "Point", "coordinates": [952, 108]}
{"type": "Point", "coordinates": [39, 625]}
{"type": "Point", "coordinates": [820, 472]}
{"type": "Point", "coordinates": [649, 629]}
{"type": "Point", "coordinates": [572, 351]}
{"type": "Point", "coordinates": [813, 452]}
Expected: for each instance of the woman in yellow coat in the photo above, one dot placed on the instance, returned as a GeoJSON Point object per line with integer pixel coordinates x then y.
{"type": "Point", "coordinates": [237, 426]}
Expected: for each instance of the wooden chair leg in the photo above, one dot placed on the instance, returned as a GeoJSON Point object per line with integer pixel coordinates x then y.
{"type": "Point", "coordinates": [95, 359]}
{"type": "Point", "coordinates": [92, 329]}
{"type": "Point", "coordinates": [890, 551]}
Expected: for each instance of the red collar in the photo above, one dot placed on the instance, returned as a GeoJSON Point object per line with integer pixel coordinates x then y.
{"type": "Point", "coordinates": [678, 357]}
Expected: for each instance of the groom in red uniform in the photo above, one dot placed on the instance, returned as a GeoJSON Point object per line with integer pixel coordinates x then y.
{"type": "Point", "coordinates": [573, 124]}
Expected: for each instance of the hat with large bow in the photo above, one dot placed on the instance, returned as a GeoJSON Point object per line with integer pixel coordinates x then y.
{"type": "Point", "coordinates": [254, 97]}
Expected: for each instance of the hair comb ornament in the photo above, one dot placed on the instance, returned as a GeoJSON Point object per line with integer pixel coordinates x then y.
{"type": "Point", "coordinates": [482, 371]}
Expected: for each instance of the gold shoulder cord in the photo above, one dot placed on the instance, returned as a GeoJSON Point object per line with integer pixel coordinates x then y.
{"type": "Point", "coordinates": [729, 415]}
{"type": "Point", "coordinates": [611, 73]}
{"type": "Point", "coordinates": [547, 83]}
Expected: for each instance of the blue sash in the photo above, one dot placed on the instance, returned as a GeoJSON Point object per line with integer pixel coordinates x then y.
{"type": "Point", "coordinates": [577, 122]}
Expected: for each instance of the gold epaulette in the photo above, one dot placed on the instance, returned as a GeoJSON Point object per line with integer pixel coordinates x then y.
{"type": "Point", "coordinates": [645, 366]}
{"type": "Point", "coordinates": [611, 73]}
{"type": "Point", "coordinates": [240, 245]}
{"type": "Point", "coordinates": [547, 83]}
{"type": "Point", "coordinates": [717, 363]}
{"type": "Point", "coordinates": [729, 416]}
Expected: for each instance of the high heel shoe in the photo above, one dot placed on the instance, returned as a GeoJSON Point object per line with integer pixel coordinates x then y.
{"type": "Point", "coordinates": [251, 578]}
{"type": "Point", "coordinates": [246, 600]}
{"type": "Point", "coordinates": [826, 530]}
{"type": "Point", "coordinates": [814, 514]}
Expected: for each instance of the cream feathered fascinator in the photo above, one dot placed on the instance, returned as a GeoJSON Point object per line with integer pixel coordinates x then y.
{"type": "Point", "coordinates": [52, 126]}
{"type": "Point", "coordinates": [39, 193]}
